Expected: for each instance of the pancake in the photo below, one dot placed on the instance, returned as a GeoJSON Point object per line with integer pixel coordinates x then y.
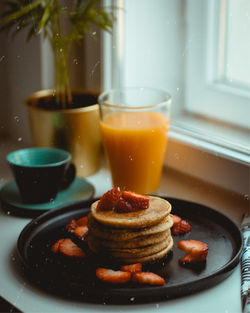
{"type": "Point", "coordinates": [157, 210]}
{"type": "Point", "coordinates": [137, 242]}
{"type": "Point", "coordinates": [141, 251]}
{"type": "Point", "coordinates": [105, 232]}
{"type": "Point", "coordinates": [149, 258]}
{"type": "Point", "coordinates": [133, 237]}
{"type": "Point", "coordinates": [132, 252]}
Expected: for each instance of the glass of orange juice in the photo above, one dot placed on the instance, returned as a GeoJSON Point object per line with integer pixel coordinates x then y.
{"type": "Point", "coordinates": [134, 126]}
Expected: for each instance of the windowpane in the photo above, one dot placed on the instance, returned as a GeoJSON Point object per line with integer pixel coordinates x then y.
{"type": "Point", "coordinates": [237, 52]}
{"type": "Point", "coordinates": [217, 68]}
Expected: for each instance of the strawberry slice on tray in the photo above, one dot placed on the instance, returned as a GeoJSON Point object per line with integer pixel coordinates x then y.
{"type": "Point", "coordinates": [78, 227]}
{"type": "Point", "coordinates": [81, 231]}
{"type": "Point", "coordinates": [112, 277]}
{"type": "Point", "coordinates": [55, 246]}
{"type": "Point", "coordinates": [127, 273]}
{"type": "Point", "coordinates": [132, 268]}
{"type": "Point", "coordinates": [176, 219]}
{"type": "Point", "coordinates": [70, 227]}
{"type": "Point", "coordinates": [196, 251]}
{"type": "Point", "coordinates": [148, 278]}
{"type": "Point", "coordinates": [82, 221]}
{"type": "Point", "coordinates": [180, 226]}
{"type": "Point", "coordinates": [67, 247]}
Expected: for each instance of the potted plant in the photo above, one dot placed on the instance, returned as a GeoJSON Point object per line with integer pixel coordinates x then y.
{"type": "Point", "coordinates": [61, 117]}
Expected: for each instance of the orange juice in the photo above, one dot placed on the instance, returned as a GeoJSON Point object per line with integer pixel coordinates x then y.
{"type": "Point", "coordinates": [135, 143]}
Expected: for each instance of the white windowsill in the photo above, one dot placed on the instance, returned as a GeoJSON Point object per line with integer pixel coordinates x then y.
{"type": "Point", "coordinates": [220, 157]}
{"type": "Point", "coordinates": [223, 140]}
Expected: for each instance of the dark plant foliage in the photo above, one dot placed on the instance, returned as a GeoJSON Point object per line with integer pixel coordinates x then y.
{"type": "Point", "coordinates": [48, 17]}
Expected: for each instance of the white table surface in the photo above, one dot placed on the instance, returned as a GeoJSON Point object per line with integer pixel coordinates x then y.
{"type": "Point", "coordinates": [15, 288]}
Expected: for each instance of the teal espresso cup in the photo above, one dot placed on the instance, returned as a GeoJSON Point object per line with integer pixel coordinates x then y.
{"type": "Point", "coordinates": [41, 172]}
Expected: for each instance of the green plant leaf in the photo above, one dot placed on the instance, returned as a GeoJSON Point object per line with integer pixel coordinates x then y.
{"type": "Point", "coordinates": [45, 18]}
{"type": "Point", "coordinates": [23, 11]}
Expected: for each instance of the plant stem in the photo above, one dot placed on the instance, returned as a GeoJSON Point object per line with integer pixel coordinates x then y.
{"type": "Point", "coordinates": [63, 94]}
{"type": "Point", "coordinates": [60, 48]}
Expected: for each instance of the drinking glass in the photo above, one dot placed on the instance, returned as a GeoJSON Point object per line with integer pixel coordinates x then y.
{"type": "Point", "coordinates": [134, 126]}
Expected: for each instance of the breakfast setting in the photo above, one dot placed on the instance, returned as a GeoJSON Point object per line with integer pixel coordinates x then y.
{"type": "Point", "coordinates": [119, 190]}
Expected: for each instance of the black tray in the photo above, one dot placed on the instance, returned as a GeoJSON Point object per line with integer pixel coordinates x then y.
{"type": "Point", "coordinates": [76, 279]}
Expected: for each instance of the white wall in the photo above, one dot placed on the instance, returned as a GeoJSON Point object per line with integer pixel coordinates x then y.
{"type": "Point", "coordinates": [4, 99]}
{"type": "Point", "coordinates": [160, 29]}
{"type": "Point", "coordinates": [20, 75]}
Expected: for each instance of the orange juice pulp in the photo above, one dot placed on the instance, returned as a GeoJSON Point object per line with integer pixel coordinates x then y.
{"type": "Point", "coordinates": [135, 143]}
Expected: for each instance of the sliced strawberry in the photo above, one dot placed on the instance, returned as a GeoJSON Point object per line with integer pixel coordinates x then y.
{"type": "Point", "coordinates": [82, 221]}
{"type": "Point", "coordinates": [113, 277]}
{"type": "Point", "coordinates": [124, 202]}
{"type": "Point", "coordinates": [196, 250]}
{"type": "Point", "coordinates": [78, 227]}
{"type": "Point", "coordinates": [55, 246]}
{"type": "Point", "coordinates": [176, 219]}
{"type": "Point", "coordinates": [122, 206]}
{"type": "Point", "coordinates": [181, 228]}
{"type": "Point", "coordinates": [68, 248]}
{"type": "Point", "coordinates": [132, 268]}
{"type": "Point", "coordinates": [109, 199]}
{"type": "Point", "coordinates": [71, 226]}
{"type": "Point", "coordinates": [137, 201]}
{"type": "Point", "coordinates": [148, 278]}
{"type": "Point", "coordinates": [81, 231]}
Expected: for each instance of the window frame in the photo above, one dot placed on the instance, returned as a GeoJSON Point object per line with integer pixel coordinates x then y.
{"type": "Point", "coordinates": [205, 83]}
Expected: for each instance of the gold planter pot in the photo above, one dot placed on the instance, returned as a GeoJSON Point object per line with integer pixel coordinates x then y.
{"type": "Point", "coordinates": [75, 130]}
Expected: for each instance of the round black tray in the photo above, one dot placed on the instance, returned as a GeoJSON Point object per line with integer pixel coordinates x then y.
{"type": "Point", "coordinates": [76, 279]}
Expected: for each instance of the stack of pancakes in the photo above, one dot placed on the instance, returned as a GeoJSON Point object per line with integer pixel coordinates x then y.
{"type": "Point", "coordinates": [134, 237]}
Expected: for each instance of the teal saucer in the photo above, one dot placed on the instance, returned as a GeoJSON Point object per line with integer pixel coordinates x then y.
{"type": "Point", "coordinates": [79, 191]}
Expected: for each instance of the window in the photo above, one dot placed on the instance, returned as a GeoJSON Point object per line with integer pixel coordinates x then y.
{"type": "Point", "coordinates": [216, 106]}
{"type": "Point", "coordinates": [188, 48]}
{"type": "Point", "coordinates": [192, 49]}
{"type": "Point", "coordinates": [234, 51]}
{"type": "Point", "coordinates": [218, 62]}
